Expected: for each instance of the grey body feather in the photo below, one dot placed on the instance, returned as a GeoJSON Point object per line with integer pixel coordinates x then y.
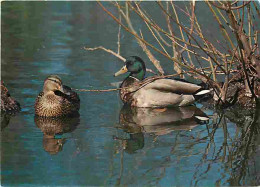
{"type": "Point", "coordinates": [165, 92]}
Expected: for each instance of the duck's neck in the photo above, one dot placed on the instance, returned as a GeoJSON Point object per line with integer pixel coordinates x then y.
{"type": "Point", "coordinates": [140, 75]}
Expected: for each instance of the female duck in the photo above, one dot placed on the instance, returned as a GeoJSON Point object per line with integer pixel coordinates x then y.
{"type": "Point", "coordinates": [8, 103]}
{"type": "Point", "coordinates": [56, 99]}
{"type": "Point", "coordinates": [155, 91]}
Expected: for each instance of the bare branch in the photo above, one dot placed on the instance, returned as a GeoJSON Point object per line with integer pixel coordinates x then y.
{"type": "Point", "coordinates": [107, 50]}
{"type": "Point", "coordinates": [118, 36]}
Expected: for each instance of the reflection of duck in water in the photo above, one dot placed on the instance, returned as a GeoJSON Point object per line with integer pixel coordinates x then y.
{"type": "Point", "coordinates": [155, 91]}
{"type": "Point", "coordinates": [56, 125]}
{"type": "Point", "coordinates": [137, 121]}
{"type": "Point", "coordinates": [9, 106]}
{"type": "Point", "coordinates": [5, 119]}
{"type": "Point", "coordinates": [56, 99]}
{"type": "Point", "coordinates": [161, 121]}
{"type": "Point", "coordinates": [52, 145]}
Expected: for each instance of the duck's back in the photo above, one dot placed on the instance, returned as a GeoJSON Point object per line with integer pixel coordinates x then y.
{"type": "Point", "coordinates": [8, 104]}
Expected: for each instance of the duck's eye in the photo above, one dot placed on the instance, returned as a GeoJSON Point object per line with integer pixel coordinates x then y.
{"type": "Point", "coordinates": [54, 81]}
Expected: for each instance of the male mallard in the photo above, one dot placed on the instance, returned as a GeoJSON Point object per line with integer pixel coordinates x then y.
{"type": "Point", "coordinates": [56, 99]}
{"type": "Point", "coordinates": [155, 91]}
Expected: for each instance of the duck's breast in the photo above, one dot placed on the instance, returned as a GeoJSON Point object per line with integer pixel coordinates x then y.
{"type": "Point", "coordinates": [48, 105]}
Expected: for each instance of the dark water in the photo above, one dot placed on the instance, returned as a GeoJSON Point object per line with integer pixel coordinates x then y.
{"type": "Point", "coordinates": [108, 144]}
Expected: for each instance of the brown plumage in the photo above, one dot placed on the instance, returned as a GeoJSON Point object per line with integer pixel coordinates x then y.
{"type": "Point", "coordinates": [56, 99]}
{"type": "Point", "coordinates": [8, 103]}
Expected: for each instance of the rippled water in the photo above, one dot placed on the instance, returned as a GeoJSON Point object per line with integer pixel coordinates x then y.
{"type": "Point", "coordinates": [108, 144]}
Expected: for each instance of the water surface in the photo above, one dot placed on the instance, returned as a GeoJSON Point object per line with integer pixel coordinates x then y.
{"type": "Point", "coordinates": [108, 144]}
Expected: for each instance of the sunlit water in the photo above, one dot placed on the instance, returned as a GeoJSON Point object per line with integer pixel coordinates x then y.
{"type": "Point", "coordinates": [107, 144]}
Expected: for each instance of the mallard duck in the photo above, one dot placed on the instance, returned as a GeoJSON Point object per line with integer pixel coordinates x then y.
{"type": "Point", "coordinates": [56, 99]}
{"type": "Point", "coordinates": [155, 91]}
{"type": "Point", "coordinates": [8, 103]}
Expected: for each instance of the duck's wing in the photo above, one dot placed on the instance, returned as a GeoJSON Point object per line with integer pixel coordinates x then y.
{"type": "Point", "coordinates": [164, 92]}
{"type": "Point", "coordinates": [69, 94]}
{"type": "Point", "coordinates": [159, 98]}
{"type": "Point", "coordinates": [174, 86]}
{"type": "Point", "coordinates": [72, 97]}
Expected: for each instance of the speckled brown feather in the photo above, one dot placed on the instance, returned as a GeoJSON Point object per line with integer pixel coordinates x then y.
{"type": "Point", "coordinates": [126, 94]}
{"type": "Point", "coordinates": [8, 103]}
{"type": "Point", "coordinates": [50, 105]}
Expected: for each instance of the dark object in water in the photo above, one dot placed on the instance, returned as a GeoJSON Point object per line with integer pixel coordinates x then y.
{"type": "Point", "coordinates": [5, 119]}
{"type": "Point", "coordinates": [8, 103]}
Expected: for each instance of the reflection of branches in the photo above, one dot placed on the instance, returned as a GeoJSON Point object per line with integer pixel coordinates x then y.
{"type": "Point", "coordinates": [234, 153]}
{"type": "Point", "coordinates": [246, 146]}
{"type": "Point", "coordinates": [224, 147]}
{"type": "Point", "coordinates": [205, 155]}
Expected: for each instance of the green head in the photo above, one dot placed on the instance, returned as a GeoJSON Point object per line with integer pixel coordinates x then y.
{"type": "Point", "coordinates": [135, 65]}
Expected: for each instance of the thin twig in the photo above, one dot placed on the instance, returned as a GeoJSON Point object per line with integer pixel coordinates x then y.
{"type": "Point", "coordinates": [186, 46]}
{"type": "Point", "coordinates": [142, 83]}
{"type": "Point", "coordinates": [106, 90]}
{"type": "Point", "coordinates": [223, 7]}
{"type": "Point", "coordinates": [118, 36]}
{"type": "Point", "coordinates": [107, 50]}
{"type": "Point", "coordinates": [140, 40]}
{"type": "Point", "coordinates": [176, 52]}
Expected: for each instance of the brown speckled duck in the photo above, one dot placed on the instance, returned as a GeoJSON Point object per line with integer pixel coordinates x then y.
{"type": "Point", "coordinates": [56, 99]}
{"type": "Point", "coordinates": [8, 103]}
{"type": "Point", "coordinates": [155, 92]}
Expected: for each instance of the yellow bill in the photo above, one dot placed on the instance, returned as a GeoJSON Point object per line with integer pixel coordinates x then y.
{"type": "Point", "coordinates": [121, 71]}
